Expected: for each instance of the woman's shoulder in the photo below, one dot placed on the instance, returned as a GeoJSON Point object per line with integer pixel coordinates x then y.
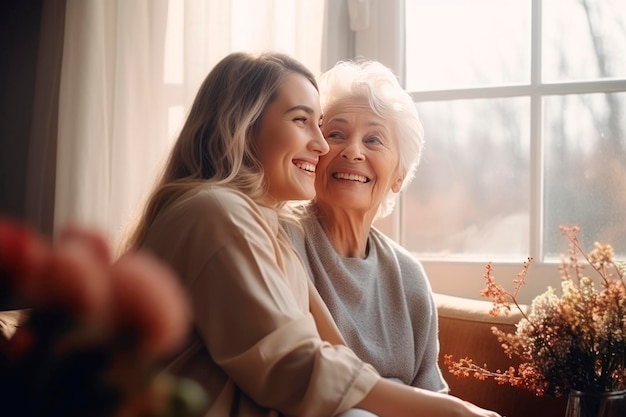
{"type": "Point", "coordinates": [388, 245]}
{"type": "Point", "coordinates": [216, 200]}
{"type": "Point", "coordinates": [216, 209]}
{"type": "Point", "coordinates": [216, 195]}
{"type": "Point", "coordinates": [302, 225]}
{"type": "Point", "coordinates": [394, 256]}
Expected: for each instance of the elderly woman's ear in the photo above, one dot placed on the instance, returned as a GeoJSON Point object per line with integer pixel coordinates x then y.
{"type": "Point", "coordinates": [397, 184]}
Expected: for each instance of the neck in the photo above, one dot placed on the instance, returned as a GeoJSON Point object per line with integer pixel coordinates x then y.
{"type": "Point", "coordinates": [347, 230]}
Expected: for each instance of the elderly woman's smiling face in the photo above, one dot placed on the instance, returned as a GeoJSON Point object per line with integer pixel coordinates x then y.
{"type": "Point", "coordinates": [362, 165]}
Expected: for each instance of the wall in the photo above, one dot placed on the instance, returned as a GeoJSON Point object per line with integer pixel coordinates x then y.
{"type": "Point", "coordinates": [19, 41]}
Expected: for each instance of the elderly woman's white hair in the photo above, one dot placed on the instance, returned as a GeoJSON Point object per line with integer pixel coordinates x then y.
{"type": "Point", "coordinates": [377, 85]}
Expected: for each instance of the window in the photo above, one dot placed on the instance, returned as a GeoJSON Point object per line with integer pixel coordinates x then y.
{"type": "Point", "coordinates": [524, 107]}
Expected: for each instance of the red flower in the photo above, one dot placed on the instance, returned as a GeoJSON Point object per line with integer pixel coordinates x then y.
{"type": "Point", "coordinates": [95, 330]}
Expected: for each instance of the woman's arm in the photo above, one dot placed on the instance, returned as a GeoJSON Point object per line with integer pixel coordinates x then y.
{"type": "Point", "coordinates": [391, 399]}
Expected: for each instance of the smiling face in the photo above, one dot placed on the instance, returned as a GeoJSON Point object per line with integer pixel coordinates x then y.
{"type": "Point", "coordinates": [289, 141]}
{"type": "Point", "coordinates": [362, 164]}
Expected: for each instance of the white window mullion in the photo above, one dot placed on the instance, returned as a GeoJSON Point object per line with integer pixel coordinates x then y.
{"type": "Point", "coordinates": [374, 40]}
{"type": "Point", "coordinates": [536, 138]}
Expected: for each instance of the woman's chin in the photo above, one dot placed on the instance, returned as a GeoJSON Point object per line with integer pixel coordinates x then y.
{"type": "Point", "coordinates": [304, 194]}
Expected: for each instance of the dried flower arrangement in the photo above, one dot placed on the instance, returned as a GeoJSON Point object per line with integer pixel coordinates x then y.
{"type": "Point", "coordinates": [572, 342]}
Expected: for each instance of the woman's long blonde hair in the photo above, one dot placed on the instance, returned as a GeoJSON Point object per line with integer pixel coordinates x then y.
{"type": "Point", "coordinates": [216, 143]}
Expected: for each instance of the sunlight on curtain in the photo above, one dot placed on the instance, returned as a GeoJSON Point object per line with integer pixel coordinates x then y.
{"type": "Point", "coordinates": [130, 70]}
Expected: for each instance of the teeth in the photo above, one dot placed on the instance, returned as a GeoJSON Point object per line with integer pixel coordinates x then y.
{"type": "Point", "coordinates": [306, 166]}
{"type": "Point", "coordinates": [351, 177]}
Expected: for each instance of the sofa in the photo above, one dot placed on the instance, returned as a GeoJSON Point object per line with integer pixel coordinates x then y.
{"type": "Point", "coordinates": [465, 331]}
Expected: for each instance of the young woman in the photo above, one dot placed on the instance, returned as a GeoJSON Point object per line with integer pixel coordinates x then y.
{"type": "Point", "coordinates": [265, 343]}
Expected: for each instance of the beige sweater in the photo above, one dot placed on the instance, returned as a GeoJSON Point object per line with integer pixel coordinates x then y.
{"type": "Point", "coordinates": [265, 345]}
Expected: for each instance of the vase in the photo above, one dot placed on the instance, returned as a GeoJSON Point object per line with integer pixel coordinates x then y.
{"type": "Point", "coordinates": [596, 404]}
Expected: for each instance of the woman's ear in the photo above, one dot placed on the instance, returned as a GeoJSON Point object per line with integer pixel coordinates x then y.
{"type": "Point", "coordinates": [397, 184]}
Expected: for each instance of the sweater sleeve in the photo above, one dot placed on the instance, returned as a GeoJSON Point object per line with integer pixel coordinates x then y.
{"type": "Point", "coordinates": [250, 299]}
{"type": "Point", "coordinates": [429, 374]}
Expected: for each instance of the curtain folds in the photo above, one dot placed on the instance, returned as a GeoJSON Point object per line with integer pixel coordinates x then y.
{"type": "Point", "coordinates": [42, 145]}
{"type": "Point", "coordinates": [130, 70]}
{"type": "Point", "coordinates": [111, 114]}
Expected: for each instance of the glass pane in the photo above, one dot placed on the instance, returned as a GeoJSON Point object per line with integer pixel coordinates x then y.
{"type": "Point", "coordinates": [454, 44]}
{"type": "Point", "coordinates": [584, 40]}
{"type": "Point", "coordinates": [585, 170]}
{"type": "Point", "coordinates": [471, 192]}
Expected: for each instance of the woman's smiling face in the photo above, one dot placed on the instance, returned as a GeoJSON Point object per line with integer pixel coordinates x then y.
{"type": "Point", "coordinates": [362, 165]}
{"type": "Point", "coordinates": [289, 141]}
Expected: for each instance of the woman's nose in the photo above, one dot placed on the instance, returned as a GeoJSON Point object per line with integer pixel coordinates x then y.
{"type": "Point", "coordinates": [319, 144]}
{"type": "Point", "coordinates": [352, 152]}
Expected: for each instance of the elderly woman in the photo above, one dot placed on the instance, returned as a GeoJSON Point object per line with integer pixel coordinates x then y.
{"type": "Point", "coordinates": [377, 292]}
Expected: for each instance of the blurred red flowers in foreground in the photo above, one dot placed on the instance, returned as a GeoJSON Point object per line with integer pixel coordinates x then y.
{"type": "Point", "coordinates": [95, 331]}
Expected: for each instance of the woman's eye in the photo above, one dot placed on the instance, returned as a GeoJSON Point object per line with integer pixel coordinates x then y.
{"type": "Point", "coordinates": [333, 135]}
{"type": "Point", "coordinates": [300, 119]}
{"type": "Point", "coordinates": [373, 140]}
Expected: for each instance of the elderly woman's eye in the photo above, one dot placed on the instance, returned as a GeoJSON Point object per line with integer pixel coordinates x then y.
{"type": "Point", "coordinates": [333, 135]}
{"type": "Point", "coordinates": [373, 140]}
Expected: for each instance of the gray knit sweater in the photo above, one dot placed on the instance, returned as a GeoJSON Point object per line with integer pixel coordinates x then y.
{"type": "Point", "coordinates": [382, 304]}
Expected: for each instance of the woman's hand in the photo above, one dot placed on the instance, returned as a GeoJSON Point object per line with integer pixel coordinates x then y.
{"type": "Point", "coordinates": [391, 399]}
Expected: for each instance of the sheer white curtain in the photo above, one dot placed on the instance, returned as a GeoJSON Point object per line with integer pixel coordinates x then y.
{"type": "Point", "coordinates": [131, 69]}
